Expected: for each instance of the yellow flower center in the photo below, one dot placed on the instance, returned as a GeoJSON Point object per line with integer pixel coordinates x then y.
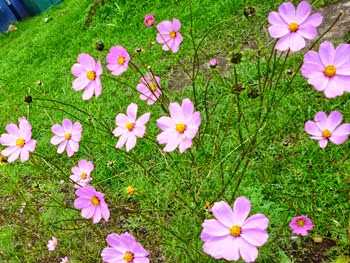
{"type": "Point", "coordinates": [20, 142]}
{"type": "Point", "coordinates": [95, 201]}
{"type": "Point", "coordinates": [180, 127]}
{"type": "Point", "coordinates": [91, 75]}
{"type": "Point", "coordinates": [152, 87]}
{"type": "Point", "coordinates": [83, 176]}
{"type": "Point", "coordinates": [235, 231]}
{"type": "Point", "coordinates": [128, 257]}
{"type": "Point", "coordinates": [67, 136]}
{"type": "Point", "coordinates": [330, 71]}
{"type": "Point", "coordinates": [121, 61]}
{"type": "Point", "coordinates": [300, 222]}
{"type": "Point", "coordinates": [326, 134]}
{"type": "Point", "coordinates": [130, 190]}
{"type": "Point", "coordinates": [293, 27]}
{"type": "Point", "coordinates": [172, 34]}
{"type": "Point", "coordinates": [130, 126]}
{"type": "Point", "coordinates": [149, 21]}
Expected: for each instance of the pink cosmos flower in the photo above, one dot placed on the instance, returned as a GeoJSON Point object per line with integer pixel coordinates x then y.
{"type": "Point", "coordinates": [149, 20]}
{"type": "Point", "coordinates": [88, 76]}
{"type": "Point", "coordinates": [149, 88]}
{"type": "Point", "coordinates": [18, 140]}
{"type": "Point", "coordinates": [91, 203]}
{"type": "Point", "coordinates": [169, 35]}
{"type": "Point", "coordinates": [52, 244]}
{"type": "Point", "coordinates": [292, 26]}
{"type": "Point", "coordinates": [213, 63]}
{"type": "Point", "coordinates": [231, 235]}
{"type": "Point", "coordinates": [118, 59]}
{"type": "Point", "coordinates": [124, 248]}
{"type": "Point", "coordinates": [64, 260]}
{"type": "Point", "coordinates": [326, 129]}
{"type": "Point", "coordinates": [128, 128]}
{"type": "Point", "coordinates": [81, 173]}
{"type": "Point", "coordinates": [67, 136]}
{"type": "Point", "coordinates": [300, 225]}
{"type": "Point", "coordinates": [329, 69]}
{"type": "Point", "coordinates": [180, 128]}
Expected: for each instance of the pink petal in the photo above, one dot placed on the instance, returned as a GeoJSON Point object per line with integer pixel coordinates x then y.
{"type": "Point", "coordinates": [283, 43]}
{"type": "Point", "coordinates": [248, 252]}
{"type": "Point", "coordinates": [88, 212]}
{"type": "Point", "coordinates": [222, 247]}
{"type": "Point", "coordinates": [275, 20]}
{"type": "Point", "coordinates": [14, 156]}
{"type": "Point", "coordinates": [334, 119]}
{"type": "Point", "coordinates": [67, 125]}
{"type": "Point", "coordinates": [58, 130]}
{"type": "Point", "coordinates": [241, 209]}
{"type": "Point", "coordinates": [131, 142]}
{"type": "Point", "coordinates": [12, 129]}
{"type": "Point", "coordinates": [255, 237]}
{"type": "Point", "coordinates": [224, 214]}
{"type": "Point", "coordinates": [323, 143]}
{"type": "Point", "coordinates": [132, 112]}
{"type": "Point", "coordinates": [87, 61]}
{"type": "Point", "coordinates": [307, 31]}
{"type": "Point", "coordinates": [213, 228]}
{"type": "Point", "coordinates": [321, 120]}
{"type": "Point", "coordinates": [314, 19]}
{"type": "Point", "coordinates": [312, 129]}
{"type": "Point", "coordinates": [144, 118]}
{"type": "Point", "coordinates": [57, 139]}
{"type": "Point", "coordinates": [297, 42]}
{"type": "Point", "coordinates": [89, 91]}
{"type": "Point", "coordinates": [172, 144]}
{"type": "Point", "coordinates": [341, 55]}
{"type": "Point", "coordinates": [78, 70]}
{"type": "Point", "coordinates": [287, 12]}
{"type": "Point", "coordinates": [97, 215]}
{"type": "Point", "coordinates": [185, 144]}
{"type": "Point", "coordinates": [258, 221]}
{"type": "Point", "coordinates": [326, 52]}
{"type": "Point", "coordinates": [187, 108]}
{"type": "Point", "coordinates": [165, 122]}
{"type": "Point", "coordinates": [278, 31]}
{"type": "Point", "coordinates": [176, 112]}
{"type": "Point", "coordinates": [119, 131]}
{"type": "Point", "coordinates": [122, 140]}
{"type": "Point", "coordinates": [121, 120]}
{"type": "Point", "coordinates": [8, 139]}
{"type": "Point", "coordinates": [61, 146]}
{"type": "Point", "coordinates": [303, 11]}
{"type": "Point", "coordinates": [176, 24]}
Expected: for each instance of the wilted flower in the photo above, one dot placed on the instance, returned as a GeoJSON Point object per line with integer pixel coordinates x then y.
{"type": "Point", "coordinates": [68, 136]}
{"type": "Point", "coordinates": [292, 26]}
{"type": "Point", "coordinates": [169, 35]}
{"type": "Point", "coordinates": [180, 128]}
{"type": "Point", "coordinates": [128, 128]}
{"type": "Point", "coordinates": [18, 140]}
{"type": "Point", "coordinates": [149, 88]}
{"type": "Point", "coordinates": [99, 46]}
{"type": "Point", "coordinates": [231, 235]}
{"type": "Point", "coordinates": [51, 245]}
{"type": "Point", "coordinates": [326, 129]}
{"type": "Point", "coordinates": [149, 20]}
{"type": "Point", "coordinates": [123, 249]}
{"type": "Point", "coordinates": [88, 74]}
{"type": "Point", "coordinates": [329, 69]}
{"type": "Point", "coordinates": [91, 203]}
{"type": "Point", "coordinates": [117, 59]}
{"type": "Point", "coordinates": [81, 173]}
{"type": "Point", "coordinates": [300, 225]}
{"type": "Point", "coordinates": [130, 190]}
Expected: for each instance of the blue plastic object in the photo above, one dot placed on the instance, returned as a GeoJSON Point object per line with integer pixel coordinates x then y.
{"type": "Point", "coordinates": [38, 6]}
{"type": "Point", "coordinates": [18, 9]}
{"type": "Point", "coordinates": [6, 16]}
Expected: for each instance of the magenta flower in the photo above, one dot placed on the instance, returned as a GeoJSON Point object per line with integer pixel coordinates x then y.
{"type": "Point", "coordinates": [180, 128]}
{"type": "Point", "coordinates": [149, 20]}
{"type": "Point", "coordinates": [231, 235]}
{"type": "Point", "coordinates": [88, 76]}
{"type": "Point", "coordinates": [124, 248]}
{"type": "Point", "coordinates": [117, 59]}
{"type": "Point", "coordinates": [18, 140]}
{"type": "Point", "coordinates": [81, 173]}
{"type": "Point", "coordinates": [291, 27]}
{"type": "Point", "coordinates": [67, 136]}
{"type": "Point", "coordinates": [129, 128]}
{"type": "Point", "coordinates": [91, 203]}
{"type": "Point", "coordinates": [169, 35]}
{"type": "Point", "coordinates": [329, 69]}
{"type": "Point", "coordinates": [52, 244]}
{"type": "Point", "coordinates": [213, 63]}
{"type": "Point", "coordinates": [149, 88]}
{"type": "Point", "coordinates": [326, 129]}
{"type": "Point", "coordinates": [300, 225]}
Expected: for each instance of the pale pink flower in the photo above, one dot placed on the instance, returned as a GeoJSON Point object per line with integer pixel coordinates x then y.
{"type": "Point", "coordinates": [123, 249]}
{"type": "Point", "coordinates": [231, 235]}
{"type": "Point", "coordinates": [64, 260]}
{"type": "Point", "coordinates": [300, 225]}
{"type": "Point", "coordinates": [128, 128]}
{"type": "Point", "coordinates": [329, 69]}
{"type": "Point", "coordinates": [88, 74]}
{"type": "Point", "coordinates": [149, 20]}
{"type": "Point", "coordinates": [18, 140]}
{"type": "Point", "coordinates": [149, 88]}
{"type": "Point", "coordinates": [326, 129]}
{"type": "Point", "coordinates": [81, 173]}
{"type": "Point", "coordinates": [180, 128]}
{"type": "Point", "coordinates": [169, 35]}
{"type": "Point", "coordinates": [213, 63]}
{"type": "Point", "coordinates": [292, 26]}
{"type": "Point", "coordinates": [52, 244]}
{"type": "Point", "coordinates": [67, 136]}
{"type": "Point", "coordinates": [118, 59]}
{"type": "Point", "coordinates": [91, 203]}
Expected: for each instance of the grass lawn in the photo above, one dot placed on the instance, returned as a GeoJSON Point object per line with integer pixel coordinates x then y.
{"type": "Point", "coordinates": [251, 141]}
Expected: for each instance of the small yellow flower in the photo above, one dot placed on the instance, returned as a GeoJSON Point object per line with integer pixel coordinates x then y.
{"type": "Point", "coordinates": [130, 190]}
